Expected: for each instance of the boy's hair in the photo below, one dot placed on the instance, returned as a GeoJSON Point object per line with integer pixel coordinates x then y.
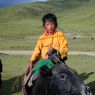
{"type": "Point", "coordinates": [50, 17]}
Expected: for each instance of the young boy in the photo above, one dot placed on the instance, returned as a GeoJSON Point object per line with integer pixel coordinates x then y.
{"type": "Point", "coordinates": [51, 39]}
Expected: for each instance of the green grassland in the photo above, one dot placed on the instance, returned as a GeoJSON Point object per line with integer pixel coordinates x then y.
{"type": "Point", "coordinates": [15, 66]}
{"type": "Point", "coordinates": [19, 24]}
{"type": "Point", "coordinates": [20, 27]}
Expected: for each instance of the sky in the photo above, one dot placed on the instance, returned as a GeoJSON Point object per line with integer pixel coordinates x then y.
{"type": "Point", "coordinates": [8, 3]}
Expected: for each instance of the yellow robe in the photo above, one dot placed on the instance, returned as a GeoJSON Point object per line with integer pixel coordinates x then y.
{"type": "Point", "coordinates": [57, 40]}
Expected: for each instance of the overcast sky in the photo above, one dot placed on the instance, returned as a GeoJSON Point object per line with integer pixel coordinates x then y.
{"type": "Point", "coordinates": [6, 3]}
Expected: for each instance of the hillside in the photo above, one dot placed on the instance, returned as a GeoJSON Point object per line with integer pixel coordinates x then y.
{"type": "Point", "coordinates": [37, 9]}
{"type": "Point", "coordinates": [75, 18]}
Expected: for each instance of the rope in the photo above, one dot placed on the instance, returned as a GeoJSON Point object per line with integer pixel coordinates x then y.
{"type": "Point", "coordinates": [15, 85]}
{"type": "Point", "coordinates": [67, 67]}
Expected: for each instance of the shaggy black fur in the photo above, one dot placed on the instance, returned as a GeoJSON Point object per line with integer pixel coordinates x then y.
{"type": "Point", "coordinates": [1, 69]}
{"type": "Point", "coordinates": [58, 81]}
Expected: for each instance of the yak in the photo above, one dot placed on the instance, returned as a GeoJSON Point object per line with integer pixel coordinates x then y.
{"type": "Point", "coordinates": [59, 80]}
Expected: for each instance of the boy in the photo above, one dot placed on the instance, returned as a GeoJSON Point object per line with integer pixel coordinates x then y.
{"type": "Point", "coordinates": [51, 39]}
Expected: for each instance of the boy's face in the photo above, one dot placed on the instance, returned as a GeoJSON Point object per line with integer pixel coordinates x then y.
{"type": "Point", "coordinates": [50, 26]}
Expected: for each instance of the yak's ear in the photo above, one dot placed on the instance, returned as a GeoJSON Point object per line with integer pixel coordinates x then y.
{"type": "Point", "coordinates": [1, 66]}
{"type": "Point", "coordinates": [45, 71]}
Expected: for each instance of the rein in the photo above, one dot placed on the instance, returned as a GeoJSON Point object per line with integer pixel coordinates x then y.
{"type": "Point", "coordinates": [66, 67]}
{"type": "Point", "coordinates": [15, 85]}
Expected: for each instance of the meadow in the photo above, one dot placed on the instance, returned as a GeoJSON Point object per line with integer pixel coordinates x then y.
{"type": "Point", "coordinates": [21, 26]}
{"type": "Point", "coordinates": [15, 66]}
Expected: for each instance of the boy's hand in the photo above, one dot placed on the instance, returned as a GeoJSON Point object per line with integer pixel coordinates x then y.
{"type": "Point", "coordinates": [30, 66]}
{"type": "Point", "coordinates": [50, 50]}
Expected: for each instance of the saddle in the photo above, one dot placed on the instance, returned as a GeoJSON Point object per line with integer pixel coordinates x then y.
{"type": "Point", "coordinates": [33, 74]}
{"type": "Point", "coordinates": [25, 81]}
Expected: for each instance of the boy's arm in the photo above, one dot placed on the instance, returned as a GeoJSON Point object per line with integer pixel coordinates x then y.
{"type": "Point", "coordinates": [37, 52]}
{"type": "Point", "coordinates": [63, 46]}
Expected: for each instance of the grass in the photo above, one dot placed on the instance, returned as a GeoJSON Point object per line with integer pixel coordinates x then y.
{"type": "Point", "coordinates": [14, 66]}
{"type": "Point", "coordinates": [20, 23]}
{"type": "Point", "coordinates": [81, 44]}
{"type": "Point", "coordinates": [17, 45]}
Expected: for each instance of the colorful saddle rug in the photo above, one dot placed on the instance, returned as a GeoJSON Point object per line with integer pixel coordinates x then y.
{"type": "Point", "coordinates": [34, 73]}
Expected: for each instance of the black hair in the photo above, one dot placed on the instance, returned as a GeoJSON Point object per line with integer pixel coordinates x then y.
{"type": "Point", "coordinates": [50, 17]}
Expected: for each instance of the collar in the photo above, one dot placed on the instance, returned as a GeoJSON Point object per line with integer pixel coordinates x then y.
{"type": "Point", "coordinates": [46, 33]}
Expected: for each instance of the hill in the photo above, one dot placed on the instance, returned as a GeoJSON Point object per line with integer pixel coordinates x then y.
{"type": "Point", "coordinates": [75, 17]}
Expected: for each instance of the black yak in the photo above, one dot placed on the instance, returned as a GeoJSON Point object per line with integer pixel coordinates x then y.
{"type": "Point", "coordinates": [1, 67]}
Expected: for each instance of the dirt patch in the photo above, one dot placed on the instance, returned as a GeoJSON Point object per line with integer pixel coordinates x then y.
{"type": "Point", "coordinates": [29, 52]}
